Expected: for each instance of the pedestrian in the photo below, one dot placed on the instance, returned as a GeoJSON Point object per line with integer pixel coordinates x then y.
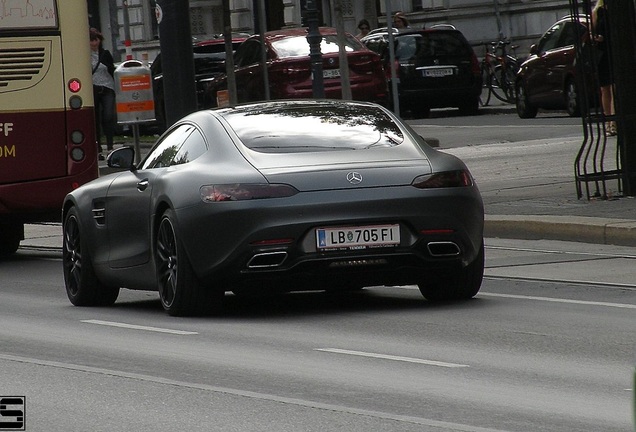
{"type": "Point", "coordinates": [103, 90]}
{"type": "Point", "coordinates": [601, 32]}
{"type": "Point", "coordinates": [400, 21]}
{"type": "Point", "coordinates": [364, 28]}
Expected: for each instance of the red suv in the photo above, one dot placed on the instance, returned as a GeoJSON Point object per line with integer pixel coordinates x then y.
{"type": "Point", "coordinates": [289, 68]}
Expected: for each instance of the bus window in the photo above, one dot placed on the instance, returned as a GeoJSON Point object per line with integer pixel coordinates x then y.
{"type": "Point", "coordinates": [47, 124]}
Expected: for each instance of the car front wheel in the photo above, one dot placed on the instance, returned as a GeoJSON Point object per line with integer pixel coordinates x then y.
{"type": "Point", "coordinates": [524, 108]}
{"type": "Point", "coordinates": [180, 291]}
{"type": "Point", "coordinates": [83, 288]}
{"type": "Point", "coordinates": [572, 99]}
{"type": "Point", "coordinates": [460, 286]}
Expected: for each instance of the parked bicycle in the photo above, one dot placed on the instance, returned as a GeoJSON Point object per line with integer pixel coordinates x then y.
{"type": "Point", "coordinates": [498, 71]}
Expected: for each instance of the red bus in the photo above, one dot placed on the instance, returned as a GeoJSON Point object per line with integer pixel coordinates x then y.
{"type": "Point", "coordinates": [47, 124]}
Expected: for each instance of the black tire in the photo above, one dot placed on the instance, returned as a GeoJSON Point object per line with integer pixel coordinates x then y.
{"type": "Point", "coordinates": [502, 84]}
{"type": "Point", "coordinates": [524, 108]}
{"type": "Point", "coordinates": [180, 291]}
{"type": "Point", "coordinates": [463, 285]}
{"type": "Point", "coordinates": [486, 91]}
{"type": "Point", "coordinates": [10, 237]}
{"type": "Point", "coordinates": [83, 288]}
{"type": "Point", "coordinates": [470, 108]}
{"type": "Point", "coordinates": [572, 105]}
{"type": "Point", "coordinates": [420, 111]}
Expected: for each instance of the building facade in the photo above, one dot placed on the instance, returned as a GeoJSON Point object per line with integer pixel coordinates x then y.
{"type": "Point", "coordinates": [522, 21]}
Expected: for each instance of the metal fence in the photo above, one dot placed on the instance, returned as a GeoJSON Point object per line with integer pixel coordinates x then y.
{"type": "Point", "coordinates": [605, 166]}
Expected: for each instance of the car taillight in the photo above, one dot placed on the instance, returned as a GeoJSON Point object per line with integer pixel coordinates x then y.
{"type": "Point", "coordinates": [396, 65]}
{"type": "Point", "coordinates": [461, 178]}
{"type": "Point", "coordinates": [474, 65]}
{"type": "Point", "coordinates": [364, 65]}
{"type": "Point", "coordinates": [245, 191]}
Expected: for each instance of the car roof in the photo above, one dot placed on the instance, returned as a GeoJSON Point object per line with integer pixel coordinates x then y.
{"type": "Point", "coordinates": [275, 35]}
{"type": "Point", "coordinates": [219, 39]}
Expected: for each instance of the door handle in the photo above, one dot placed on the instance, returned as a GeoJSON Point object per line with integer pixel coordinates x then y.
{"type": "Point", "coordinates": [142, 185]}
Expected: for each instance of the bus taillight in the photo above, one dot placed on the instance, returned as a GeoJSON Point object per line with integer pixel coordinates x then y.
{"type": "Point", "coordinates": [74, 85]}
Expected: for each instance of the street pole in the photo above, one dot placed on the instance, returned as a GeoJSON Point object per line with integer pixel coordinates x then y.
{"type": "Point", "coordinates": [127, 42]}
{"type": "Point", "coordinates": [623, 64]}
{"type": "Point", "coordinates": [314, 38]}
{"type": "Point", "coordinates": [394, 79]}
{"type": "Point", "coordinates": [177, 59]}
{"type": "Point", "coordinates": [229, 53]}
{"type": "Point", "coordinates": [343, 59]}
{"type": "Point", "coordinates": [263, 27]}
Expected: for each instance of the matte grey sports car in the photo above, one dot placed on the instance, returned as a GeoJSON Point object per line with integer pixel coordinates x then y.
{"type": "Point", "coordinates": [287, 195]}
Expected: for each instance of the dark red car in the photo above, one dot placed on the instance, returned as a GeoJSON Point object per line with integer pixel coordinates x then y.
{"type": "Point", "coordinates": [289, 68]}
{"type": "Point", "coordinates": [550, 78]}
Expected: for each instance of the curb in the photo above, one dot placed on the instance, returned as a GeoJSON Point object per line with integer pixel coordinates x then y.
{"type": "Point", "coordinates": [618, 232]}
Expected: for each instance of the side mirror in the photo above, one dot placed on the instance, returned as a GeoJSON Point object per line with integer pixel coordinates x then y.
{"type": "Point", "coordinates": [122, 158]}
{"type": "Point", "coordinates": [534, 49]}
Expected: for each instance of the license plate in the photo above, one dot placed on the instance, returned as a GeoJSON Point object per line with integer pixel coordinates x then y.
{"type": "Point", "coordinates": [437, 72]}
{"type": "Point", "coordinates": [331, 73]}
{"type": "Point", "coordinates": [361, 237]}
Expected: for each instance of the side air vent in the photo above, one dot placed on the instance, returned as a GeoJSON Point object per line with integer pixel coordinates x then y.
{"type": "Point", "coordinates": [24, 64]}
{"type": "Point", "coordinates": [99, 212]}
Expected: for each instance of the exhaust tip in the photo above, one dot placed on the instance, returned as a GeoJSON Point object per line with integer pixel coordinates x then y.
{"type": "Point", "coordinates": [267, 260]}
{"type": "Point", "coordinates": [443, 249]}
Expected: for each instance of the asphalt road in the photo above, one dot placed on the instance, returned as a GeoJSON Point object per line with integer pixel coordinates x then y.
{"type": "Point", "coordinates": [546, 346]}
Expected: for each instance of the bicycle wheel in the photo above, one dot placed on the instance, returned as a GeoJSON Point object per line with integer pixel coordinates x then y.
{"type": "Point", "coordinates": [486, 85]}
{"type": "Point", "coordinates": [503, 84]}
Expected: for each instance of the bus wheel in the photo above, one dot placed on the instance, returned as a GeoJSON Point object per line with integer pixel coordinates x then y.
{"type": "Point", "coordinates": [82, 286]}
{"type": "Point", "coordinates": [10, 236]}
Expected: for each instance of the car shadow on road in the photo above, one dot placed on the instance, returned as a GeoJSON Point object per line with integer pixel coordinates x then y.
{"type": "Point", "coordinates": [308, 303]}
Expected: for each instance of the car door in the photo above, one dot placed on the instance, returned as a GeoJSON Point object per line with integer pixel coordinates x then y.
{"type": "Point", "coordinates": [539, 79]}
{"type": "Point", "coordinates": [129, 203]}
{"type": "Point", "coordinates": [559, 62]}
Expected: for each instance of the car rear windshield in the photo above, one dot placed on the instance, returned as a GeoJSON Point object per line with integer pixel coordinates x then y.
{"type": "Point", "coordinates": [431, 44]}
{"type": "Point", "coordinates": [281, 128]}
{"type": "Point", "coordinates": [298, 46]}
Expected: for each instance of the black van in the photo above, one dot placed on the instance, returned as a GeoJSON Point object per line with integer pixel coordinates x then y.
{"type": "Point", "coordinates": [436, 68]}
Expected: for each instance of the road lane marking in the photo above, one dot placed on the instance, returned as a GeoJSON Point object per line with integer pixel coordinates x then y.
{"type": "Point", "coordinates": [444, 425]}
{"type": "Point", "coordinates": [138, 327]}
{"type": "Point", "coordinates": [392, 357]}
{"type": "Point", "coordinates": [560, 300]}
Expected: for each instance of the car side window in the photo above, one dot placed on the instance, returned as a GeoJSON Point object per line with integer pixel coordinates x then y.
{"type": "Point", "coordinates": [163, 154]}
{"type": "Point", "coordinates": [248, 53]}
{"type": "Point", "coordinates": [568, 36]}
{"type": "Point", "coordinates": [550, 39]}
{"type": "Point", "coordinates": [193, 147]}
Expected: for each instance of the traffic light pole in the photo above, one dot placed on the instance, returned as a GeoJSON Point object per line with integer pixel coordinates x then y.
{"type": "Point", "coordinates": [177, 59]}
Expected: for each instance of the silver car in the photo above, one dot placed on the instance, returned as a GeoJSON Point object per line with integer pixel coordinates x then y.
{"type": "Point", "coordinates": [287, 195]}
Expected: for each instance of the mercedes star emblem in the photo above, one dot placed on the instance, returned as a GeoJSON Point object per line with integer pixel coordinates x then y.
{"type": "Point", "coordinates": [354, 178]}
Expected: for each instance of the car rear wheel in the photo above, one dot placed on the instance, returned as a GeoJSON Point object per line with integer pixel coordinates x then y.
{"type": "Point", "coordinates": [524, 108]}
{"type": "Point", "coordinates": [180, 291]}
{"type": "Point", "coordinates": [10, 236]}
{"type": "Point", "coordinates": [470, 108]}
{"type": "Point", "coordinates": [83, 288]}
{"type": "Point", "coordinates": [420, 111]}
{"type": "Point", "coordinates": [460, 286]}
{"type": "Point", "coordinates": [572, 105]}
